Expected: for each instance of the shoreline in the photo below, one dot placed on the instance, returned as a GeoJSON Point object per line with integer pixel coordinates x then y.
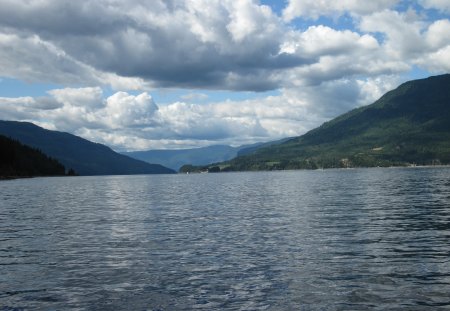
{"type": "Point", "coordinates": [321, 169]}
{"type": "Point", "coordinates": [14, 177]}
{"type": "Point", "coordinates": [6, 178]}
{"type": "Point", "coordinates": [29, 177]}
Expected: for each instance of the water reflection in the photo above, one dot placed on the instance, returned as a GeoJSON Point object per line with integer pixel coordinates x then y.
{"type": "Point", "coordinates": [334, 239]}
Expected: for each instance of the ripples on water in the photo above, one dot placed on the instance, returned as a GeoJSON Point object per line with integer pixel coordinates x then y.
{"type": "Point", "coordinates": [306, 240]}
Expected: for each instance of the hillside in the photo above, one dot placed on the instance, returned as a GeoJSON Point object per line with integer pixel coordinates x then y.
{"type": "Point", "coordinates": [249, 149]}
{"type": "Point", "coordinates": [407, 126]}
{"type": "Point", "coordinates": [85, 157]}
{"type": "Point", "coordinates": [17, 160]}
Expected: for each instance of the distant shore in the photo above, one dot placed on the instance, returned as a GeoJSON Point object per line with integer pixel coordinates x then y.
{"type": "Point", "coordinates": [205, 169]}
{"type": "Point", "coordinates": [14, 177]}
{"type": "Point", "coordinates": [23, 177]}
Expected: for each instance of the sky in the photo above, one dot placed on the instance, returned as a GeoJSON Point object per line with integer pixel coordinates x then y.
{"type": "Point", "coordinates": [174, 74]}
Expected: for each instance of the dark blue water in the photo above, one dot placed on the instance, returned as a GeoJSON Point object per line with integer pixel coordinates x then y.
{"type": "Point", "coordinates": [365, 239]}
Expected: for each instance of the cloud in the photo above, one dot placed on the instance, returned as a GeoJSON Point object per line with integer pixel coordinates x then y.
{"type": "Point", "coordinates": [205, 44]}
{"type": "Point", "coordinates": [31, 59]}
{"type": "Point", "coordinates": [28, 57]}
{"type": "Point", "coordinates": [319, 70]}
{"type": "Point", "coordinates": [340, 54]}
{"type": "Point", "coordinates": [194, 97]}
{"type": "Point", "coordinates": [125, 121]}
{"type": "Point", "coordinates": [313, 9]}
{"type": "Point", "coordinates": [437, 62]}
{"type": "Point", "coordinates": [89, 97]}
{"type": "Point", "coordinates": [125, 110]}
{"type": "Point", "coordinates": [190, 44]}
{"type": "Point", "coordinates": [441, 5]}
{"type": "Point", "coordinates": [410, 40]}
{"type": "Point", "coordinates": [230, 45]}
{"type": "Point", "coordinates": [438, 34]}
{"type": "Point", "coordinates": [402, 31]}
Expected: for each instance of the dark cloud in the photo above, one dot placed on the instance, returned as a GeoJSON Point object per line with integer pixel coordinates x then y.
{"type": "Point", "coordinates": [46, 103]}
{"type": "Point", "coordinates": [170, 44]}
{"type": "Point", "coordinates": [228, 45]}
{"type": "Point", "coordinates": [61, 18]}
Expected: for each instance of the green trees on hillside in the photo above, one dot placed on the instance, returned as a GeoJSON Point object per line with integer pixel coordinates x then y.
{"type": "Point", "coordinates": [407, 126]}
{"type": "Point", "coordinates": [17, 160]}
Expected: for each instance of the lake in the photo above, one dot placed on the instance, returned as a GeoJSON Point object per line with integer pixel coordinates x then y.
{"type": "Point", "coordinates": [355, 239]}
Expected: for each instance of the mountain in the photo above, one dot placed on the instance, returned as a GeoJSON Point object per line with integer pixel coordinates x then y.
{"type": "Point", "coordinates": [248, 149]}
{"type": "Point", "coordinates": [175, 159]}
{"type": "Point", "coordinates": [407, 126]}
{"type": "Point", "coordinates": [17, 160]}
{"type": "Point", "coordinates": [178, 157]}
{"type": "Point", "coordinates": [85, 157]}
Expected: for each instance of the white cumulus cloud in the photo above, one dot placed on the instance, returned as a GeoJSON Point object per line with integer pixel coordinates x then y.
{"type": "Point", "coordinates": [129, 122]}
{"type": "Point", "coordinates": [313, 9]}
{"type": "Point", "coordinates": [442, 5]}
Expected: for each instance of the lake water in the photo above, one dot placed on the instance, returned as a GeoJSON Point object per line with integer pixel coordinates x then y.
{"type": "Point", "coordinates": [358, 239]}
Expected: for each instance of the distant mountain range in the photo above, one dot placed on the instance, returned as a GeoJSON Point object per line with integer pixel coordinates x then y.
{"type": "Point", "coordinates": [175, 159]}
{"type": "Point", "coordinates": [407, 126]}
{"type": "Point", "coordinates": [81, 155]}
{"type": "Point", "coordinates": [18, 160]}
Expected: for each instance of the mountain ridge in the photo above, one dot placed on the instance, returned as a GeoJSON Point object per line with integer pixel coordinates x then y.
{"type": "Point", "coordinates": [176, 158]}
{"type": "Point", "coordinates": [84, 156]}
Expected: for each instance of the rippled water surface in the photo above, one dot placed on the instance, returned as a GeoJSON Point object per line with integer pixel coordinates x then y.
{"type": "Point", "coordinates": [360, 239]}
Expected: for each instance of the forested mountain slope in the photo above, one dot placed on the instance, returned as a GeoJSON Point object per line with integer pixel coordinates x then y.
{"type": "Point", "coordinates": [406, 126]}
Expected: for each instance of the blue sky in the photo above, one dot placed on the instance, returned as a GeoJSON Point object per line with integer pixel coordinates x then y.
{"type": "Point", "coordinates": [177, 74]}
